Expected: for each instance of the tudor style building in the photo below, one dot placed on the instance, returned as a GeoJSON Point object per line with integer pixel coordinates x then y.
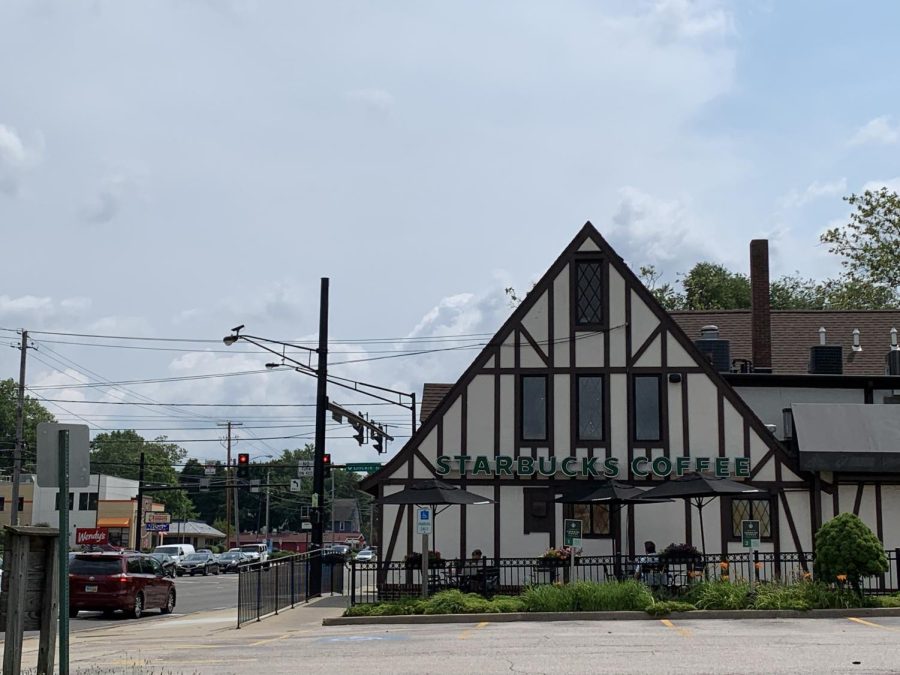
{"type": "Point", "coordinates": [591, 377]}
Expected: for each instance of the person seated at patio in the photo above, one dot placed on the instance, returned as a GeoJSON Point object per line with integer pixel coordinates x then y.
{"type": "Point", "coordinates": [649, 569]}
{"type": "Point", "coordinates": [472, 573]}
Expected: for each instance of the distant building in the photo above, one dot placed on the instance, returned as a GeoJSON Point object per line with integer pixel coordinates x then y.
{"type": "Point", "coordinates": [345, 516]}
{"type": "Point", "coordinates": [194, 532]}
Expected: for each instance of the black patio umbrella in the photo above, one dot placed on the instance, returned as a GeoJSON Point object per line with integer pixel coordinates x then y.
{"type": "Point", "coordinates": [435, 493]}
{"type": "Point", "coordinates": [613, 493]}
{"type": "Point", "coordinates": [701, 489]}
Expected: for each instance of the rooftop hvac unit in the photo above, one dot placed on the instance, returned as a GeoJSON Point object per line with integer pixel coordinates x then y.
{"type": "Point", "coordinates": [718, 351]}
{"type": "Point", "coordinates": [826, 360]}
{"type": "Point", "coordinates": [893, 362]}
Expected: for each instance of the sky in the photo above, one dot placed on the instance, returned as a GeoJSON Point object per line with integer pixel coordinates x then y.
{"type": "Point", "coordinates": [171, 169]}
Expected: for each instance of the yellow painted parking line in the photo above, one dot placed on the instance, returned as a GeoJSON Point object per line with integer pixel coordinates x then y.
{"type": "Point", "coordinates": [265, 642]}
{"type": "Point", "coordinates": [683, 632]}
{"type": "Point", "coordinates": [468, 632]}
{"type": "Point", "coordinates": [873, 625]}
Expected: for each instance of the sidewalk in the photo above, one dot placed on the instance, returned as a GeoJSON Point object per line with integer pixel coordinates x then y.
{"type": "Point", "coordinates": [193, 643]}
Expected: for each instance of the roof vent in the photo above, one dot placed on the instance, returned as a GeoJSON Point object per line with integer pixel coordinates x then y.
{"type": "Point", "coordinates": [826, 360]}
{"type": "Point", "coordinates": [718, 351]}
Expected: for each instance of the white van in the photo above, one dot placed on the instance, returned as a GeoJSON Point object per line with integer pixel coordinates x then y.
{"type": "Point", "coordinates": [258, 552]}
{"type": "Point", "coordinates": [177, 551]}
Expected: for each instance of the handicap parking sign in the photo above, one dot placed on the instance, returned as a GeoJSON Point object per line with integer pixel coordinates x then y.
{"type": "Point", "coordinates": [423, 522]}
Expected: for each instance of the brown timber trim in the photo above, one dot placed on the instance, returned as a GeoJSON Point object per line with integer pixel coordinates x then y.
{"type": "Point", "coordinates": [644, 347]}
{"type": "Point", "coordinates": [534, 345]}
{"type": "Point", "coordinates": [859, 495]}
{"type": "Point", "coordinates": [394, 533]}
{"type": "Point", "coordinates": [685, 419]}
{"type": "Point", "coordinates": [428, 465]}
{"type": "Point", "coordinates": [464, 450]}
{"type": "Point", "coordinates": [790, 521]}
{"type": "Point", "coordinates": [664, 395]}
{"type": "Point", "coordinates": [835, 495]}
{"type": "Point", "coordinates": [761, 463]}
{"type": "Point", "coordinates": [879, 519]}
{"type": "Point", "coordinates": [720, 422]}
{"type": "Point", "coordinates": [618, 370]}
{"type": "Point", "coordinates": [747, 440]}
{"type": "Point", "coordinates": [688, 523]}
{"type": "Point", "coordinates": [497, 414]}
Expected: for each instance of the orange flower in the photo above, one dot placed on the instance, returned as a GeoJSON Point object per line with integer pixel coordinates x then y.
{"type": "Point", "coordinates": [724, 564]}
{"type": "Point", "coordinates": [807, 576]}
{"type": "Point", "coordinates": [842, 577]}
{"type": "Point", "coordinates": [758, 565]}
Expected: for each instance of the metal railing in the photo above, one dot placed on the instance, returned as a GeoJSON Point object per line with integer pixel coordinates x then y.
{"type": "Point", "coordinates": [394, 580]}
{"type": "Point", "coordinates": [266, 588]}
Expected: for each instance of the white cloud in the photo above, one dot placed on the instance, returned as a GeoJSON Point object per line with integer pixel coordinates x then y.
{"type": "Point", "coordinates": [15, 159]}
{"type": "Point", "coordinates": [815, 190]}
{"type": "Point", "coordinates": [892, 184]}
{"type": "Point", "coordinates": [879, 130]}
{"type": "Point", "coordinates": [105, 204]}
{"type": "Point", "coordinates": [28, 310]}
{"type": "Point", "coordinates": [690, 19]}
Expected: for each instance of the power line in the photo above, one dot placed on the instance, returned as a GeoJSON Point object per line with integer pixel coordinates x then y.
{"type": "Point", "coordinates": [207, 405]}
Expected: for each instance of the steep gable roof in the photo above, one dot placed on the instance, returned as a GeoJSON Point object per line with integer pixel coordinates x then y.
{"type": "Point", "coordinates": [590, 238]}
{"type": "Point", "coordinates": [432, 395]}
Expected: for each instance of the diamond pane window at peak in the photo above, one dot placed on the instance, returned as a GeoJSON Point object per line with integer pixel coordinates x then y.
{"type": "Point", "coordinates": [589, 292]}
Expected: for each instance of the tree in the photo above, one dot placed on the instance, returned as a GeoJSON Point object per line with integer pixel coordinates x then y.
{"type": "Point", "coordinates": [846, 549]}
{"type": "Point", "coordinates": [712, 286]}
{"type": "Point", "coordinates": [33, 414]}
{"type": "Point", "coordinates": [870, 243]}
{"type": "Point", "coordinates": [209, 505]}
{"type": "Point", "coordinates": [666, 294]}
{"type": "Point", "coordinates": [118, 453]}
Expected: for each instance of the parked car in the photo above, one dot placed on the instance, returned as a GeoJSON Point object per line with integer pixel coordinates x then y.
{"type": "Point", "coordinates": [107, 582]}
{"type": "Point", "coordinates": [258, 552]}
{"type": "Point", "coordinates": [177, 551]}
{"type": "Point", "coordinates": [168, 562]}
{"type": "Point", "coordinates": [230, 561]}
{"type": "Point", "coordinates": [367, 555]}
{"type": "Point", "coordinates": [197, 563]}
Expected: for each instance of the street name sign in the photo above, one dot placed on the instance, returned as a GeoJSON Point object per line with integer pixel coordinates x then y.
{"type": "Point", "coordinates": [363, 467]}
{"type": "Point", "coordinates": [305, 468]}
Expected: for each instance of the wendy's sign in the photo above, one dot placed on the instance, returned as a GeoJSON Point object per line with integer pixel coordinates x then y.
{"type": "Point", "coordinates": [94, 536]}
{"type": "Point", "coordinates": [594, 467]}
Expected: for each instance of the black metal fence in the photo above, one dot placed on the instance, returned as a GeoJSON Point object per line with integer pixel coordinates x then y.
{"type": "Point", "coordinates": [390, 581]}
{"type": "Point", "coordinates": [267, 587]}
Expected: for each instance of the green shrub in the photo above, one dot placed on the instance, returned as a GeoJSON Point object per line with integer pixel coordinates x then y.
{"type": "Point", "coordinates": [549, 598]}
{"type": "Point", "coordinates": [719, 595]}
{"type": "Point", "coordinates": [613, 596]}
{"type": "Point", "coordinates": [506, 604]}
{"type": "Point", "coordinates": [888, 600]}
{"type": "Point", "coordinates": [781, 596]}
{"type": "Point", "coordinates": [846, 547]}
{"type": "Point", "coordinates": [456, 602]}
{"type": "Point", "coordinates": [669, 606]}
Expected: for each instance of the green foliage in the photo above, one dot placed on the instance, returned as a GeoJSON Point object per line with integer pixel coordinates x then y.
{"type": "Point", "coordinates": [669, 606]}
{"type": "Point", "coordinates": [588, 597]}
{"type": "Point", "coordinates": [457, 602]}
{"type": "Point", "coordinates": [870, 243]}
{"type": "Point", "coordinates": [33, 413]}
{"type": "Point", "coordinates": [712, 286]}
{"type": "Point", "coordinates": [845, 546]}
{"type": "Point", "coordinates": [506, 604]}
{"type": "Point", "coordinates": [719, 595]}
{"type": "Point", "coordinates": [888, 600]}
{"type": "Point", "coordinates": [445, 602]}
{"type": "Point", "coordinates": [806, 595]}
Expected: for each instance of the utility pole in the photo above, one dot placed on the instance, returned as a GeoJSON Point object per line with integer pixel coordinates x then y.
{"type": "Point", "coordinates": [268, 494]}
{"type": "Point", "coordinates": [229, 478]}
{"type": "Point", "coordinates": [315, 572]}
{"type": "Point", "coordinates": [332, 507]}
{"type": "Point", "coordinates": [20, 434]}
{"type": "Point", "coordinates": [139, 526]}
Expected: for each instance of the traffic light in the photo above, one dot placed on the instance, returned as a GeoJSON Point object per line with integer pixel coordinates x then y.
{"type": "Point", "coordinates": [326, 464]}
{"type": "Point", "coordinates": [377, 442]}
{"type": "Point", "coordinates": [360, 430]}
{"type": "Point", "coordinates": [243, 465]}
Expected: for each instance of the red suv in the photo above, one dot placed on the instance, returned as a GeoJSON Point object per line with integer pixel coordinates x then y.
{"type": "Point", "coordinates": [106, 582]}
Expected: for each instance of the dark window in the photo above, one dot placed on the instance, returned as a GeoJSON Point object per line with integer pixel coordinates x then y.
{"type": "Point", "coordinates": [588, 292]}
{"type": "Point", "coordinates": [71, 501]}
{"type": "Point", "coordinates": [594, 518]}
{"type": "Point", "coordinates": [590, 408]}
{"type": "Point", "coordinates": [751, 509]}
{"type": "Point", "coordinates": [2, 503]}
{"type": "Point", "coordinates": [94, 566]}
{"type": "Point", "coordinates": [21, 503]}
{"type": "Point", "coordinates": [534, 408]}
{"type": "Point", "coordinates": [151, 566]}
{"type": "Point", "coordinates": [134, 566]}
{"type": "Point", "coordinates": [538, 510]}
{"type": "Point", "coordinates": [646, 408]}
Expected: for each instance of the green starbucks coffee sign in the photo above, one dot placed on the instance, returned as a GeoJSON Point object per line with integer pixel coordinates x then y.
{"type": "Point", "coordinates": [596, 467]}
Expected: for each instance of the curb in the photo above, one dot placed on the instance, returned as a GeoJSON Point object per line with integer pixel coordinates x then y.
{"type": "Point", "coordinates": [700, 614]}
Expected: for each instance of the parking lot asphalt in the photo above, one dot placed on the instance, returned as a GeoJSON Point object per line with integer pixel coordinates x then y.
{"type": "Point", "coordinates": [208, 643]}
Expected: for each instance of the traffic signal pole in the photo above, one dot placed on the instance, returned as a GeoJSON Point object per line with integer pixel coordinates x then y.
{"type": "Point", "coordinates": [315, 572]}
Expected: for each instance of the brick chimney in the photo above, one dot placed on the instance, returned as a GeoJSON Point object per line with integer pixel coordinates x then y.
{"type": "Point", "coordinates": [759, 297]}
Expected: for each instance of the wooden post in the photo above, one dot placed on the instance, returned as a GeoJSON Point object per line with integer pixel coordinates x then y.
{"type": "Point", "coordinates": [49, 609]}
{"type": "Point", "coordinates": [17, 570]}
